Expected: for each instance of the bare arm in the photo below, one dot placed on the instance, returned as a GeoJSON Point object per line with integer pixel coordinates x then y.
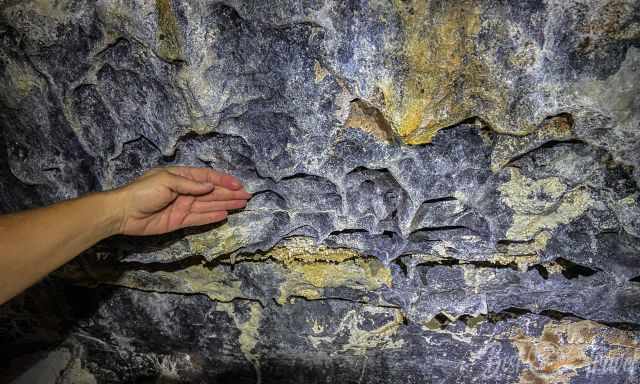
{"type": "Point", "coordinates": [36, 242]}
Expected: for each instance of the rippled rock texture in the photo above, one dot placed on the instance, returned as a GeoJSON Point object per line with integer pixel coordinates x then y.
{"type": "Point", "coordinates": [444, 191]}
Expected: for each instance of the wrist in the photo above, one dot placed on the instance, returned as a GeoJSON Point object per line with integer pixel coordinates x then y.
{"type": "Point", "coordinates": [113, 211]}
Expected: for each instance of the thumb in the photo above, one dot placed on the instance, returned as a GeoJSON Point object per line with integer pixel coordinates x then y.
{"type": "Point", "coordinates": [186, 186]}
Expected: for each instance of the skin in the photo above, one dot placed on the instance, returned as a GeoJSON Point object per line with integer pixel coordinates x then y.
{"type": "Point", "coordinates": [36, 242]}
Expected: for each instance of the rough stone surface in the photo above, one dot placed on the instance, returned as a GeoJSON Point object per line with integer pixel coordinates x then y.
{"type": "Point", "coordinates": [444, 191]}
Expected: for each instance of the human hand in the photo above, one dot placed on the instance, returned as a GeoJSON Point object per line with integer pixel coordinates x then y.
{"type": "Point", "coordinates": [166, 199]}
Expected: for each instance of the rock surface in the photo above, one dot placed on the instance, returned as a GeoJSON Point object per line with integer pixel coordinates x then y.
{"type": "Point", "coordinates": [444, 191]}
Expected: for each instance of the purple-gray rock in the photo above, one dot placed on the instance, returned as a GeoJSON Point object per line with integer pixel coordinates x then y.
{"type": "Point", "coordinates": [444, 191]}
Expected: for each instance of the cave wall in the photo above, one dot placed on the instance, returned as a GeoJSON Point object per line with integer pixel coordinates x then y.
{"type": "Point", "coordinates": [444, 191]}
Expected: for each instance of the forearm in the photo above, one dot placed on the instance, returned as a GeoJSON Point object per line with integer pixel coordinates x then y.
{"type": "Point", "coordinates": [34, 243]}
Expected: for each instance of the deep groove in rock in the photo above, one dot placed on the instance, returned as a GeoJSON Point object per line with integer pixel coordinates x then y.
{"type": "Point", "coordinates": [489, 264]}
{"type": "Point", "coordinates": [442, 262]}
{"type": "Point", "coordinates": [165, 267]}
{"type": "Point", "coordinates": [286, 107]}
{"type": "Point", "coordinates": [509, 242]}
{"type": "Point", "coordinates": [571, 270]}
{"type": "Point", "coordinates": [443, 228]}
{"type": "Point", "coordinates": [403, 267]}
{"type": "Point", "coordinates": [140, 138]}
{"type": "Point", "coordinates": [349, 231]}
{"type": "Point", "coordinates": [449, 262]}
{"type": "Point", "coordinates": [335, 298]}
{"type": "Point", "coordinates": [514, 312]}
{"type": "Point", "coordinates": [508, 313]}
{"type": "Point", "coordinates": [300, 175]}
{"type": "Point", "coordinates": [470, 320]}
{"type": "Point", "coordinates": [471, 120]}
{"type": "Point", "coordinates": [555, 143]}
{"type": "Point", "coordinates": [545, 145]}
{"type": "Point", "coordinates": [439, 199]}
{"type": "Point", "coordinates": [390, 234]}
{"type": "Point", "coordinates": [119, 40]}
{"type": "Point", "coordinates": [365, 170]}
{"type": "Point", "coordinates": [169, 291]}
{"type": "Point", "coordinates": [558, 315]}
{"type": "Point", "coordinates": [562, 119]}
{"type": "Point", "coordinates": [442, 320]}
{"type": "Point", "coordinates": [544, 273]}
{"type": "Point", "coordinates": [633, 327]}
{"type": "Point", "coordinates": [277, 199]}
{"type": "Point", "coordinates": [424, 215]}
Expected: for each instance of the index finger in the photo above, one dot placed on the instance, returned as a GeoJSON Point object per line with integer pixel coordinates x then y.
{"type": "Point", "coordinates": [203, 174]}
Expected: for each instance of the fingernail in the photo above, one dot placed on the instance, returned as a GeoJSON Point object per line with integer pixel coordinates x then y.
{"type": "Point", "coordinates": [236, 184]}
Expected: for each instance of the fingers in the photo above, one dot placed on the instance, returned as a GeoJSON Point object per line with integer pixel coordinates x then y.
{"type": "Point", "coordinates": [226, 181]}
{"type": "Point", "coordinates": [198, 181]}
{"type": "Point", "coordinates": [209, 175]}
{"type": "Point", "coordinates": [220, 194]}
{"type": "Point", "coordinates": [210, 206]}
{"type": "Point", "coordinates": [195, 219]}
{"type": "Point", "coordinates": [186, 186]}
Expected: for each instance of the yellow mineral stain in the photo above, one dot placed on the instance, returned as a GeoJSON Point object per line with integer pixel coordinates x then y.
{"type": "Point", "coordinates": [370, 273]}
{"type": "Point", "coordinates": [301, 249]}
{"type": "Point", "coordinates": [561, 349]}
{"type": "Point", "coordinates": [369, 119]}
{"type": "Point", "coordinates": [249, 331]}
{"type": "Point", "coordinates": [541, 204]}
{"type": "Point", "coordinates": [22, 79]}
{"type": "Point", "coordinates": [628, 201]}
{"type": "Point", "coordinates": [168, 33]}
{"type": "Point", "coordinates": [219, 241]}
{"type": "Point", "coordinates": [475, 321]}
{"type": "Point", "coordinates": [308, 277]}
{"type": "Point", "coordinates": [523, 262]}
{"type": "Point", "coordinates": [360, 340]}
{"type": "Point", "coordinates": [319, 72]}
{"type": "Point", "coordinates": [309, 267]}
{"type": "Point", "coordinates": [554, 128]}
{"type": "Point", "coordinates": [432, 324]}
{"type": "Point", "coordinates": [572, 206]}
{"type": "Point", "coordinates": [54, 9]}
{"type": "Point", "coordinates": [528, 196]}
{"type": "Point", "coordinates": [213, 282]}
{"type": "Point", "coordinates": [199, 125]}
{"type": "Point", "coordinates": [523, 254]}
{"type": "Point", "coordinates": [442, 68]}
